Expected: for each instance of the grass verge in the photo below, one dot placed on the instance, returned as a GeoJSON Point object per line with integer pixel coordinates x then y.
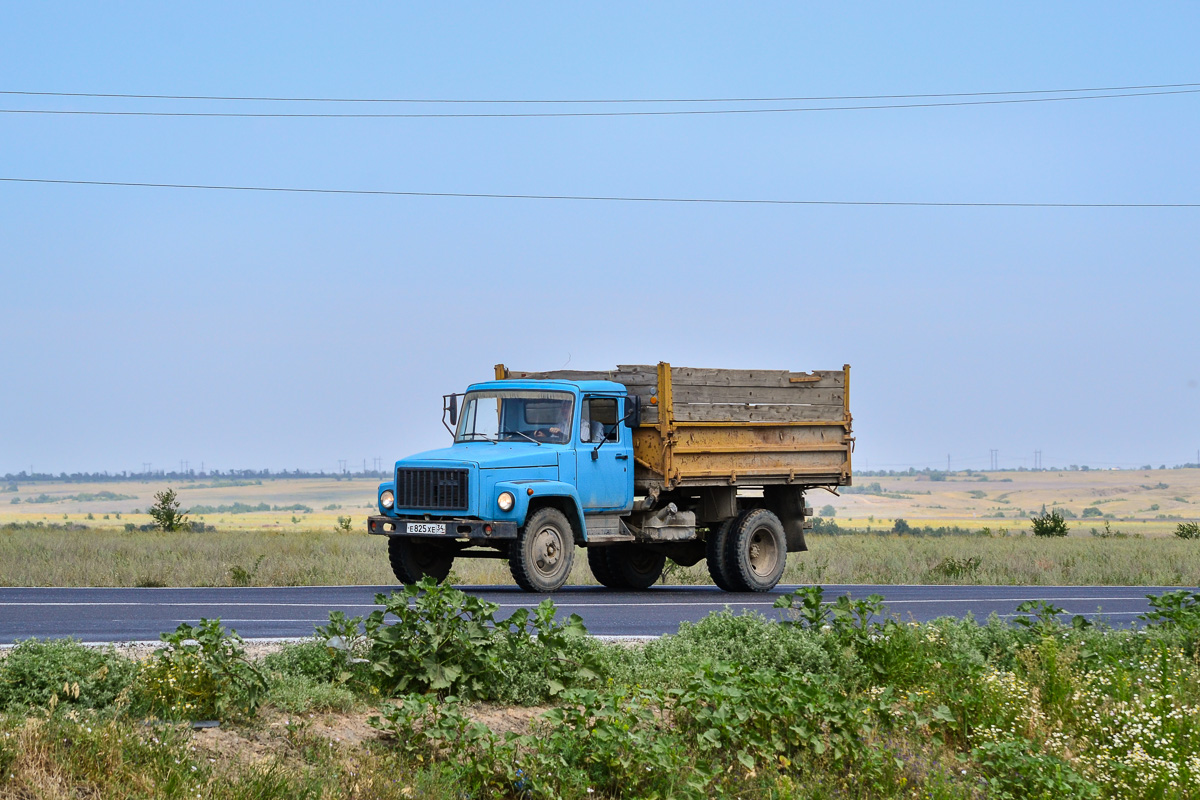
{"type": "Point", "coordinates": [40, 556]}
{"type": "Point", "coordinates": [830, 701]}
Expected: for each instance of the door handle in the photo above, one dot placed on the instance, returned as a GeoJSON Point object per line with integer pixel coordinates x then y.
{"type": "Point", "coordinates": [623, 456]}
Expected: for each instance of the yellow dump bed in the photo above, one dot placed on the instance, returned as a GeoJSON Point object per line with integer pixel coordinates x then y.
{"type": "Point", "coordinates": [723, 427]}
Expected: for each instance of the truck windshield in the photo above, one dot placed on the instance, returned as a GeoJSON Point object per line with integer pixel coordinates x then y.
{"type": "Point", "coordinates": [516, 415]}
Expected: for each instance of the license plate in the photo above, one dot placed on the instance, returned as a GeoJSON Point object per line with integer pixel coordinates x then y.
{"type": "Point", "coordinates": [426, 527]}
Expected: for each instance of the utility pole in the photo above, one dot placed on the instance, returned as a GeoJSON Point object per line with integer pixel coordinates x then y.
{"type": "Point", "coordinates": [947, 462]}
{"type": "Point", "coordinates": [995, 458]}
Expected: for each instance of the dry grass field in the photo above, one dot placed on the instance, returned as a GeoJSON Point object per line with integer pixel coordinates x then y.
{"type": "Point", "coordinates": [82, 538]}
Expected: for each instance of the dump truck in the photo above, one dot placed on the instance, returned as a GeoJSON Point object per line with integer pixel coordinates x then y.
{"type": "Point", "coordinates": [636, 465]}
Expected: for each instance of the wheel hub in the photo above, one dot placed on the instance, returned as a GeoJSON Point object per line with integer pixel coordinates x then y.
{"type": "Point", "coordinates": [763, 553]}
{"type": "Point", "coordinates": [547, 550]}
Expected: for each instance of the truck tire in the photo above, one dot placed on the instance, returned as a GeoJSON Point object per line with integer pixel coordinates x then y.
{"type": "Point", "coordinates": [598, 563]}
{"type": "Point", "coordinates": [413, 559]}
{"type": "Point", "coordinates": [757, 551]}
{"type": "Point", "coordinates": [635, 566]}
{"type": "Point", "coordinates": [717, 554]}
{"type": "Point", "coordinates": [540, 559]}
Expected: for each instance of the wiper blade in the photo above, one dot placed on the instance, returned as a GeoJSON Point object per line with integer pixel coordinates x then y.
{"type": "Point", "coordinates": [527, 436]}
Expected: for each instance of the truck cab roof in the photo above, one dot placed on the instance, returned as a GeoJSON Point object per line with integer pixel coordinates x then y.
{"type": "Point", "coordinates": [583, 387]}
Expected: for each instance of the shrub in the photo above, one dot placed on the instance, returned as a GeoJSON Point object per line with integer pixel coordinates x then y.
{"type": "Point", "coordinates": [1015, 770]}
{"type": "Point", "coordinates": [1092, 511]}
{"type": "Point", "coordinates": [202, 673]}
{"type": "Point", "coordinates": [957, 568]}
{"type": "Point", "coordinates": [313, 660]}
{"type": "Point", "coordinates": [1109, 533]}
{"type": "Point", "coordinates": [828, 511]}
{"type": "Point", "coordinates": [446, 641]}
{"type": "Point", "coordinates": [297, 694]}
{"type": "Point", "coordinates": [1178, 609]}
{"type": "Point", "coordinates": [847, 620]}
{"type": "Point", "coordinates": [39, 673]}
{"type": "Point", "coordinates": [901, 526]}
{"type": "Point", "coordinates": [713, 737]}
{"type": "Point", "coordinates": [240, 576]}
{"type": "Point", "coordinates": [1049, 524]}
{"type": "Point", "coordinates": [165, 512]}
{"type": "Point", "coordinates": [722, 636]}
{"type": "Point", "coordinates": [543, 665]}
{"type": "Point", "coordinates": [1188, 530]}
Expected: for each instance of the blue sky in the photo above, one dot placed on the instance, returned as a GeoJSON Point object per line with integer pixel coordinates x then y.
{"type": "Point", "coordinates": [282, 331]}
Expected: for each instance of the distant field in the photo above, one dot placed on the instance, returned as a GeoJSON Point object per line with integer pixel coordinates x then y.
{"type": "Point", "coordinates": [1147, 502]}
{"type": "Point", "coordinates": [327, 498]}
{"type": "Point", "coordinates": [301, 546]}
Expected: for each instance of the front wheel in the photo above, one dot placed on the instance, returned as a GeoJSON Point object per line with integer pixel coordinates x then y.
{"type": "Point", "coordinates": [413, 559]}
{"type": "Point", "coordinates": [540, 559]}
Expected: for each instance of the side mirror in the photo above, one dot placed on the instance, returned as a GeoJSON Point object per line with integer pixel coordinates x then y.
{"type": "Point", "coordinates": [453, 409]}
{"type": "Point", "coordinates": [633, 410]}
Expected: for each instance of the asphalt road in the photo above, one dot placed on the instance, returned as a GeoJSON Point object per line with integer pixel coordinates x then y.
{"type": "Point", "coordinates": [118, 615]}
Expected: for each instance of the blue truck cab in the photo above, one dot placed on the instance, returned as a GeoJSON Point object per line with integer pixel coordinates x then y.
{"type": "Point", "coordinates": [536, 467]}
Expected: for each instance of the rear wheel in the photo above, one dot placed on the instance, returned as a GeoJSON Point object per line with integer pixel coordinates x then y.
{"type": "Point", "coordinates": [717, 554]}
{"type": "Point", "coordinates": [757, 551]}
{"type": "Point", "coordinates": [598, 563]}
{"type": "Point", "coordinates": [540, 559]}
{"type": "Point", "coordinates": [413, 559]}
{"type": "Point", "coordinates": [635, 566]}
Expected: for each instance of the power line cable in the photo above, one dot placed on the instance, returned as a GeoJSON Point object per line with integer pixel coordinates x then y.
{"type": "Point", "coordinates": [543, 114]}
{"type": "Point", "coordinates": [596, 198]}
{"type": "Point", "coordinates": [825, 98]}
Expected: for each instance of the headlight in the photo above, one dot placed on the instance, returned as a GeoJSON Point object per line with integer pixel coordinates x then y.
{"type": "Point", "coordinates": [387, 499]}
{"type": "Point", "coordinates": [505, 501]}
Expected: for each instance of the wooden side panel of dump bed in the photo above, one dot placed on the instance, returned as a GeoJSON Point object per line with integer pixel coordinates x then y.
{"type": "Point", "coordinates": [722, 427]}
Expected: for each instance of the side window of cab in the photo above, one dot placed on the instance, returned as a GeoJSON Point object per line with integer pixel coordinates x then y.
{"type": "Point", "coordinates": [598, 420]}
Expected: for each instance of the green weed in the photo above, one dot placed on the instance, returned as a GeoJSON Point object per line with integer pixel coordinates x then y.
{"type": "Point", "coordinates": [957, 568]}
{"type": "Point", "coordinates": [37, 673]}
{"type": "Point", "coordinates": [201, 673]}
{"type": "Point", "coordinates": [1179, 609]}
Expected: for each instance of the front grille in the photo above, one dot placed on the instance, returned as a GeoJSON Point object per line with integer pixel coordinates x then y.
{"type": "Point", "coordinates": [442, 489]}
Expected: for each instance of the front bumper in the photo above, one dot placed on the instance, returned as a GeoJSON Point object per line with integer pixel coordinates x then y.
{"type": "Point", "coordinates": [442, 528]}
